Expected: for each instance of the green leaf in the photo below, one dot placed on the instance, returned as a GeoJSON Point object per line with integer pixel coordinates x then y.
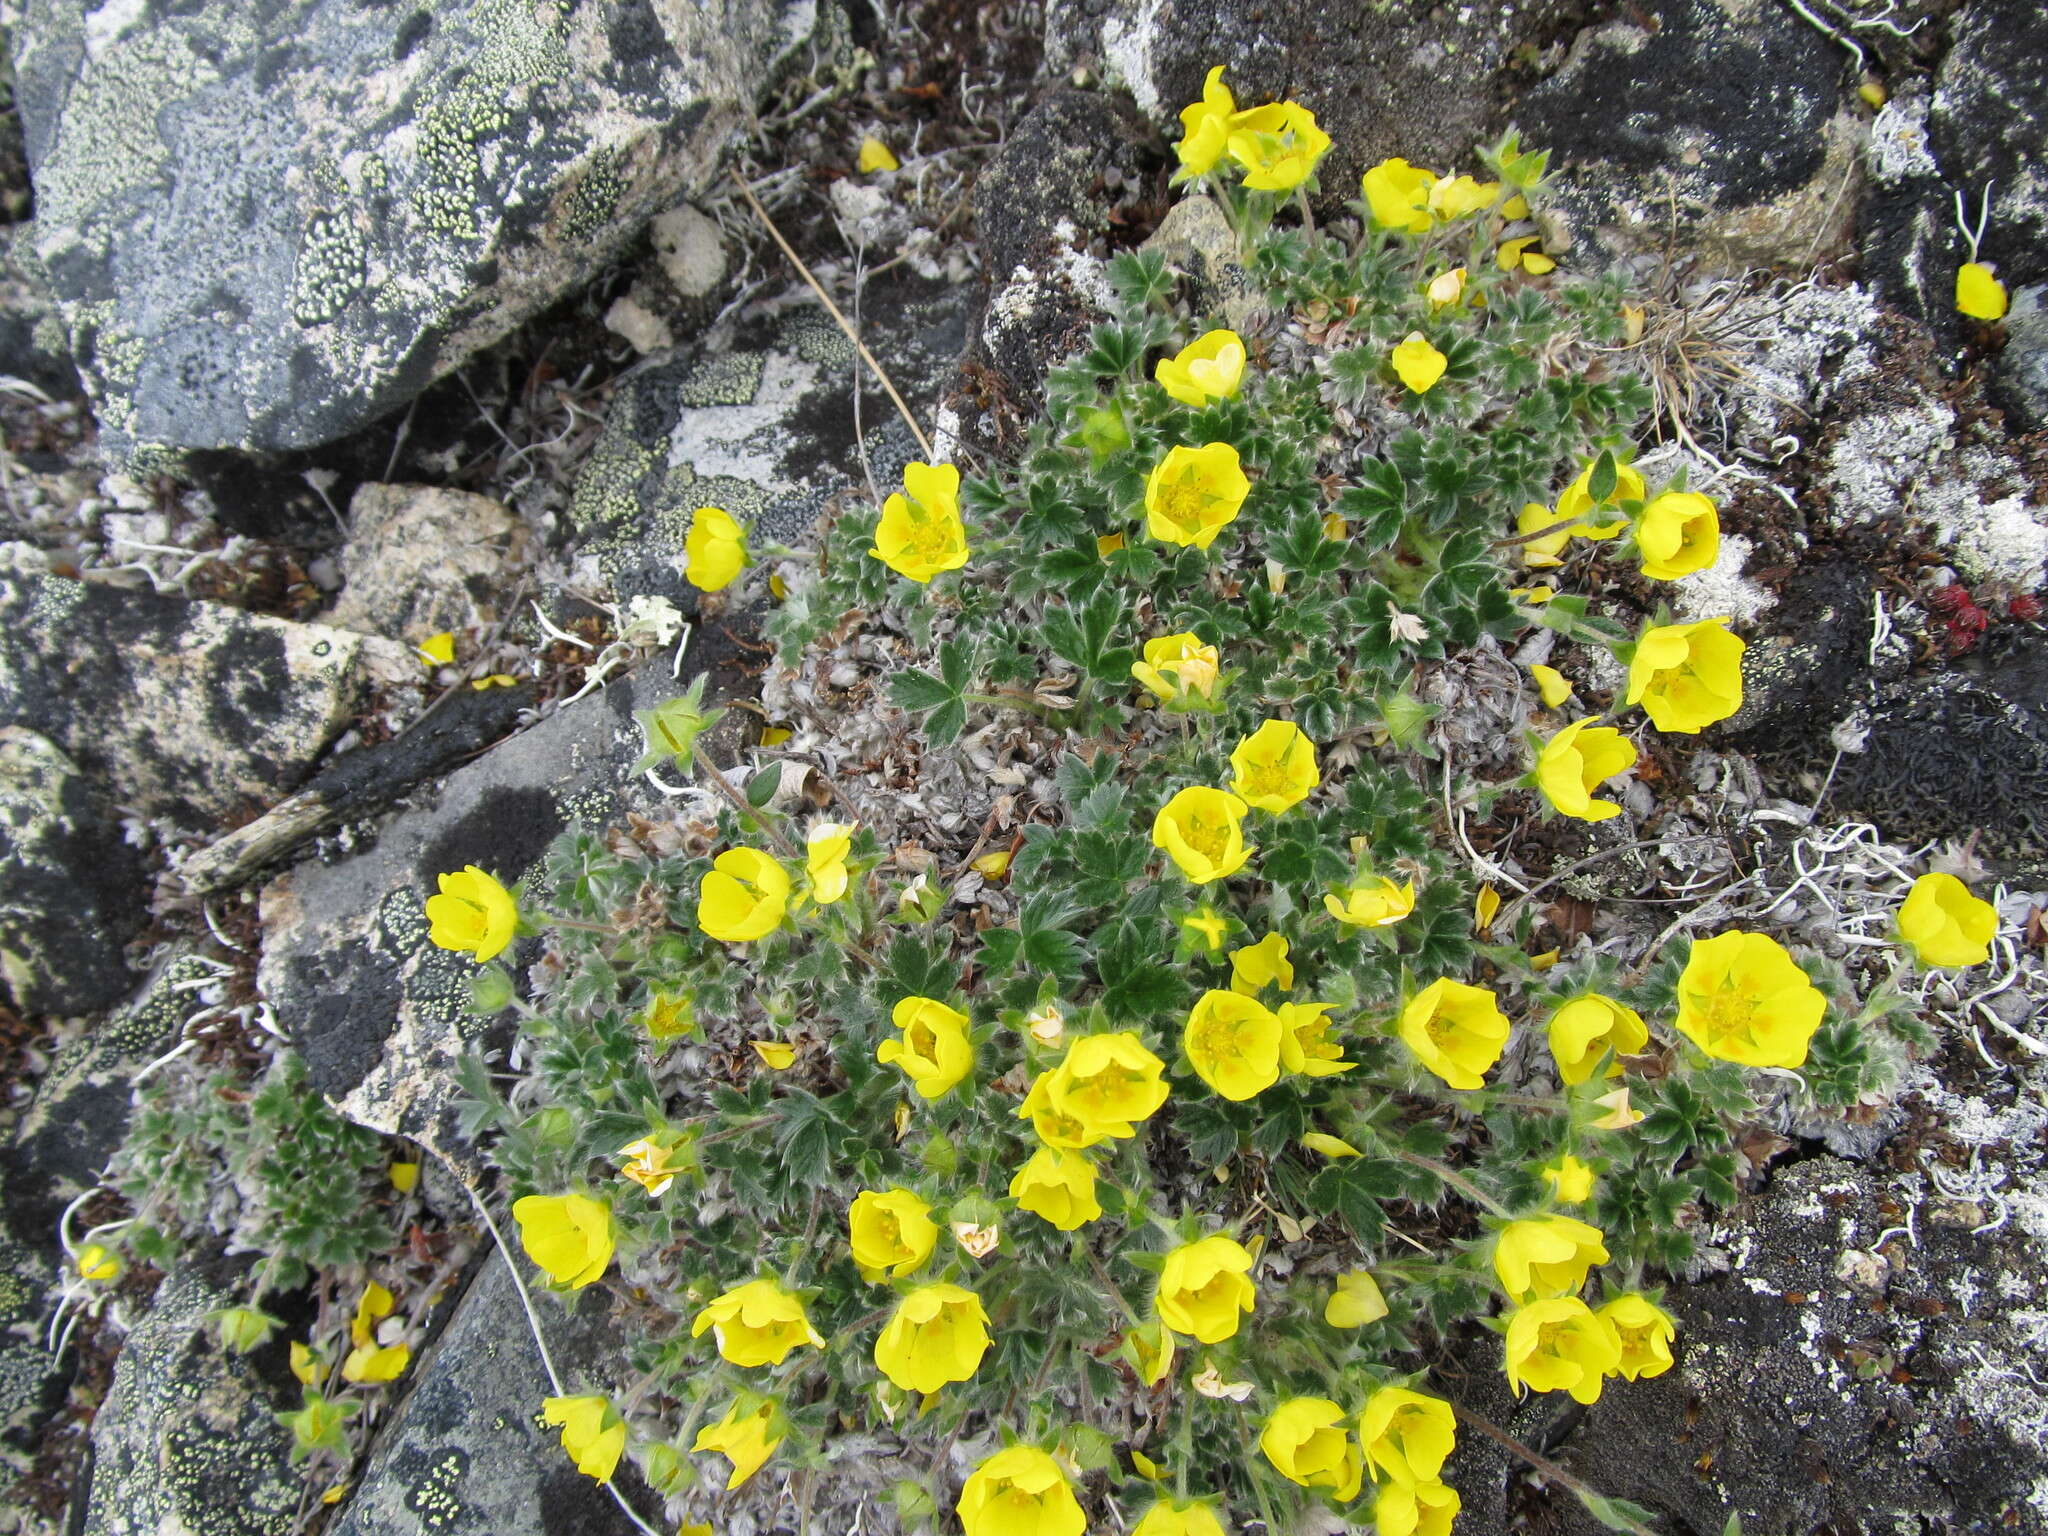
{"type": "Point", "coordinates": [1604, 479]}
{"type": "Point", "coordinates": [1615, 1514]}
{"type": "Point", "coordinates": [919, 691]}
{"type": "Point", "coordinates": [762, 786]}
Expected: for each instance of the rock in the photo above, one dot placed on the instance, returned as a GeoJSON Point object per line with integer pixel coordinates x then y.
{"type": "Point", "coordinates": [269, 227]}
{"type": "Point", "coordinates": [691, 249]}
{"type": "Point", "coordinates": [361, 783]}
{"type": "Point", "coordinates": [1419, 82]}
{"type": "Point", "coordinates": [466, 1453]}
{"type": "Point", "coordinates": [1728, 118]}
{"type": "Point", "coordinates": [422, 559]}
{"type": "Point", "coordinates": [1801, 1402]}
{"type": "Point", "coordinates": [380, 1015]}
{"type": "Point", "coordinates": [34, 345]}
{"type": "Point", "coordinates": [1041, 208]}
{"type": "Point", "coordinates": [71, 890]}
{"type": "Point", "coordinates": [1956, 756]}
{"type": "Point", "coordinates": [188, 710]}
{"type": "Point", "coordinates": [1906, 236]}
{"type": "Point", "coordinates": [1196, 239]}
{"type": "Point", "coordinates": [32, 1380]}
{"type": "Point", "coordinates": [1812, 665]}
{"type": "Point", "coordinates": [187, 1440]}
{"type": "Point", "coordinates": [2018, 378]}
{"type": "Point", "coordinates": [763, 428]}
{"type": "Point", "coordinates": [1990, 100]}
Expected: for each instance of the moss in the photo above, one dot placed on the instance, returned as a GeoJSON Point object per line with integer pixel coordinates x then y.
{"type": "Point", "coordinates": [333, 263]}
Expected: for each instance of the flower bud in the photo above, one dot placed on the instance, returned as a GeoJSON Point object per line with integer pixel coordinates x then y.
{"type": "Point", "coordinates": [490, 991]}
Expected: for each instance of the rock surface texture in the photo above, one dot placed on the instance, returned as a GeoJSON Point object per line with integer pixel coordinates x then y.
{"type": "Point", "coordinates": [466, 1455]}
{"type": "Point", "coordinates": [268, 226]}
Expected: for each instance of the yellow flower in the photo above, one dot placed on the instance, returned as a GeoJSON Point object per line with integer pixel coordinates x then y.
{"type": "Point", "coordinates": [1355, 1301]}
{"type": "Point", "coordinates": [670, 1014]}
{"type": "Point", "coordinates": [715, 551]}
{"type": "Point", "coordinates": [1193, 494]}
{"type": "Point", "coordinates": [1307, 1442]}
{"type": "Point", "coordinates": [1586, 1027]}
{"type": "Point", "coordinates": [1547, 549]}
{"type": "Point", "coordinates": [370, 1364]}
{"type": "Point", "coordinates": [1305, 1044]}
{"type": "Point", "coordinates": [977, 1239]}
{"type": "Point", "coordinates": [1254, 965]}
{"type": "Point", "coordinates": [1398, 194]}
{"type": "Point", "coordinates": [1205, 128]}
{"type": "Point", "coordinates": [1569, 1179]}
{"type": "Point", "coordinates": [473, 912]}
{"type": "Point", "coordinates": [1151, 1349]}
{"type": "Point", "coordinates": [438, 650]}
{"type": "Point", "coordinates": [875, 156]}
{"type": "Point", "coordinates": [592, 1432]}
{"type": "Point", "coordinates": [1551, 685]}
{"type": "Point", "coordinates": [1417, 364]}
{"type": "Point", "coordinates": [825, 850]}
{"type": "Point", "coordinates": [1059, 1186]}
{"type": "Point", "coordinates": [1102, 1088]}
{"type": "Point", "coordinates": [1517, 253]}
{"type": "Point", "coordinates": [1979, 294]}
{"type": "Point", "coordinates": [97, 1263]}
{"type": "Point", "coordinates": [1274, 768]}
{"type": "Point", "coordinates": [1406, 1436]}
{"type": "Point", "coordinates": [1456, 196]}
{"type": "Point", "coordinates": [372, 1306]}
{"type": "Point", "coordinates": [934, 1052]}
{"type": "Point", "coordinates": [1687, 676]}
{"type": "Point", "coordinates": [1620, 1116]}
{"type": "Point", "coordinates": [1234, 1043]}
{"type": "Point", "coordinates": [569, 1236]}
{"type": "Point", "coordinates": [776, 1055]}
{"type": "Point", "coordinates": [1676, 534]}
{"type": "Point", "coordinates": [653, 1164]}
{"type": "Point", "coordinates": [1020, 1491]}
{"type": "Point", "coordinates": [1202, 831]}
{"type": "Point", "coordinates": [920, 533]}
{"type": "Point", "coordinates": [1742, 998]}
{"type": "Point", "coordinates": [1535, 596]}
{"type": "Point", "coordinates": [746, 1438]}
{"type": "Point", "coordinates": [1332, 1147]}
{"type": "Point", "coordinates": [891, 1231]}
{"type": "Point", "coordinates": [304, 1364]}
{"type": "Point", "coordinates": [993, 866]}
{"type": "Point", "coordinates": [1178, 668]}
{"type": "Point", "coordinates": [757, 1324]}
{"type": "Point", "coordinates": [1169, 1517]}
{"type": "Point", "coordinates": [1485, 907]}
{"type": "Point", "coordinates": [743, 897]}
{"type": "Point", "coordinates": [1204, 1287]}
{"type": "Point", "coordinates": [1377, 905]}
{"type": "Point", "coordinates": [1944, 924]}
{"type": "Point", "coordinates": [1455, 1030]}
{"type": "Point", "coordinates": [937, 1334]}
{"type": "Point", "coordinates": [1446, 288]}
{"type": "Point", "coordinates": [1415, 1509]}
{"type": "Point", "coordinates": [405, 1177]}
{"type": "Point", "coordinates": [1561, 1345]}
{"type": "Point", "coordinates": [1577, 501]}
{"type": "Point", "coordinates": [1578, 760]}
{"type": "Point", "coordinates": [1543, 1256]}
{"type": "Point", "coordinates": [1277, 145]}
{"type": "Point", "coordinates": [1208, 368]}
{"type": "Point", "coordinates": [1644, 1330]}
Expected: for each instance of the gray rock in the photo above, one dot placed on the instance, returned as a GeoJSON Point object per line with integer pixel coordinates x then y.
{"type": "Point", "coordinates": [2019, 372]}
{"type": "Point", "coordinates": [1420, 82]}
{"type": "Point", "coordinates": [1196, 239]}
{"type": "Point", "coordinates": [187, 1441]}
{"type": "Point", "coordinates": [270, 226]}
{"type": "Point", "coordinates": [188, 710]}
{"type": "Point", "coordinates": [380, 1015]}
{"type": "Point", "coordinates": [1728, 118]}
{"type": "Point", "coordinates": [1802, 1402]}
{"type": "Point", "coordinates": [32, 1380]}
{"type": "Point", "coordinates": [71, 890]}
{"type": "Point", "coordinates": [1956, 756]}
{"type": "Point", "coordinates": [1041, 210]}
{"type": "Point", "coordinates": [466, 1453]}
{"type": "Point", "coordinates": [763, 428]}
{"type": "Point", "coordinates": [1906, 236]}
{"type": "Point", "coordinates": [1990, 101]}
{"type": "Point", "coordinates": [422, 559]}
{"type": "Point", "coordinates": [33, 342]}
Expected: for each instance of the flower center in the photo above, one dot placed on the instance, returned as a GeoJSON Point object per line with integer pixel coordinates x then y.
{"type": "Point", "coordinates": [1186, 502]}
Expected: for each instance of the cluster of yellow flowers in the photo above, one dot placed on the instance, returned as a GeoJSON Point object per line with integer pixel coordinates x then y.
{"type": "Point", "coordinates": [1274, 148]}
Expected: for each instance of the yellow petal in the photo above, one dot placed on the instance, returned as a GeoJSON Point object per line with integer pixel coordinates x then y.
{"type": "Point", "coordinates": [774, 1053]}
{"type": "Point", "coordinates": [1979, 294]}
{"type": "Point", "coordinates": [1485, 906]}
{"type": "Point", "coordinates": [405, 1177]}
{"type": "Point", "coordinates": [775, 735]}
{"type": "Point", "coordinates": [994, 865]}
{"type": "Point", "coordinates": [1551, 684]}
{"type": "Point", "coordinates": [875, 156]}
{"type": "Point", "coordinates": [439, 650]}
